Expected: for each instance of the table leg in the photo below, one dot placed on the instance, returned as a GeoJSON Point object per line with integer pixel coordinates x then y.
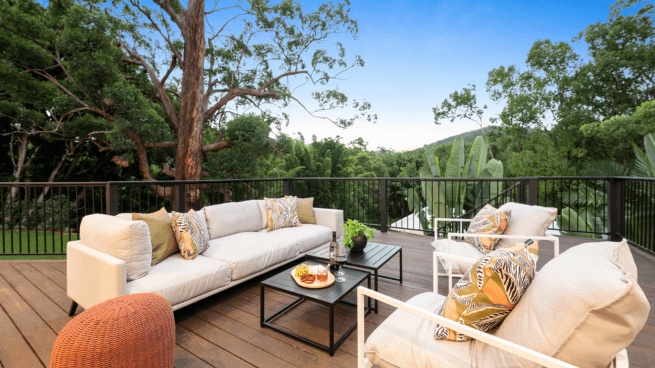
{"type": "Point", "coordinates": [401, 265]}
{"type": "Point", "coordinates": [369, 298]}
{"type": "Point", "coordinates": [332, 330]}
{"type": "Point", "coordinates": [261, 306]}
{"type": "Point", "coordinates": [376, 289]}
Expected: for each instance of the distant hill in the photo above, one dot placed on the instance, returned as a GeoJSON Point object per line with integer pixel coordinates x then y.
{"type": "Point", "coordinates": [467, 137]}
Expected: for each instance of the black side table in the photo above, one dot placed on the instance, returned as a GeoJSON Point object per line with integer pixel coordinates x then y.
{"type": "Point", "coordinates": [373, 257]}
{"type": "Point", "coordinates": [328, 296]}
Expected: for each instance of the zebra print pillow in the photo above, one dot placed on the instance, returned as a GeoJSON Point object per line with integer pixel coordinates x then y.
{"type": "Point", "coordinates": [488, 221]}
{"type": "Point", "coordinates": [191, 237]}
{"type": "Point", "coordinates": [282, 212]}
{"type": "Point", "coordinates": [489, 290]}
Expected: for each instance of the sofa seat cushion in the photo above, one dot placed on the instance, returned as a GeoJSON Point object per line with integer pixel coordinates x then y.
{"type": "Point", "coordinates": [251, 252]}
{"type": "Point", "coordinates": [406, 340]}
{"type": "Point", "coordinates": [231, 218]}
{"type": "Point", "coordinates": [178, 279]}
{"type": "Point", "coordinates": [458, 249]}
{"type": "Point", "coordinates": [583, 307]}
{"type": "Point", "coordinates": [307, 236]}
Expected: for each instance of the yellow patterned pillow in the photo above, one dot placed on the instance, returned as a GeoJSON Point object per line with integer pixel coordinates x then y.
{"type": "Point", "coordinates": [282, 212]}
{"type": "Point", "coordinates": [489, 290]}
{"type": "Point", "coordinates": [306, 210]}
{"type": "Point", "coordinates": [191, 237]}
{"type": "Point", "coordinates": [488, 221]}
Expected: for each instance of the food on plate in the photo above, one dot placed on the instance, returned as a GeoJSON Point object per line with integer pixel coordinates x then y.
{"type": "Point", "coordinates": [302, 270]}
{"type": "Point", "coordinates": [308, 279]}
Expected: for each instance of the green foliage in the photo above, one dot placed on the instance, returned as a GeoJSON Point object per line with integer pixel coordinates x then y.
{"type": "Point", "coordinates": [354, 228]}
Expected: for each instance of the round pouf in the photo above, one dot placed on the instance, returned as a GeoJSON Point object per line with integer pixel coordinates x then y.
{"type": "Point", "coordinates": [129, 331]}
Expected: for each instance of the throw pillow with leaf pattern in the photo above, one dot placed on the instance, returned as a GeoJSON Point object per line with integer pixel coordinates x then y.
{"type": "Point", "coordinates": [488, 221]}
{"type": "Point", "coordinates": [191, 237]}
{"type": "Point", "coordinates": [282, 212]}
{"type": "Point", "coordinates": [490, 289]}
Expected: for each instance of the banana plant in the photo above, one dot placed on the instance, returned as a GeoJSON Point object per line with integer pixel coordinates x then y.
{"type": "Point", "coordinates": [645, 165]}
{"type": "Point", "coordinates": [584, 221]}
{"type": "Point", "coordinates": [449, 199]}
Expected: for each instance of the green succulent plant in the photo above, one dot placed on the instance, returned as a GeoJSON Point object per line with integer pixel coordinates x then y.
{"type": "Point", "coordinates": [355, 228]}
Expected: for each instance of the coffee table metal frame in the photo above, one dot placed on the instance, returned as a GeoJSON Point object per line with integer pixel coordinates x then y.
{"type": "Point", "coordinates": [374, 256]}
{"type": "Point", "coordinates": [324, 296]}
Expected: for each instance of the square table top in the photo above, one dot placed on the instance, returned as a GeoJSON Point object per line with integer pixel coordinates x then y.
{"type": "Point", "coordinates": [374, 256]}
{"type": "Point", "coordinates": [283, 281]}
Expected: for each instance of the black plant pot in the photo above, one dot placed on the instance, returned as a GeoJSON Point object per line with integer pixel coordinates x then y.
{"type": "Point", "coordinates": [359, 243]}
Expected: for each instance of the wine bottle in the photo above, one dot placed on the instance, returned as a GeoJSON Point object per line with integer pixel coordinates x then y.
{"type": "Point", "coordinates": [333, 251]}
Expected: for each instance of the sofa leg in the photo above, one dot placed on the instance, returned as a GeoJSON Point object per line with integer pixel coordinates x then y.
{"type": "Point", "coordinates": [71, 311]}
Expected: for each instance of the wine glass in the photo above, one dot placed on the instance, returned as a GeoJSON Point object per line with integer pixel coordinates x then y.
{"type": "Point", "coordinates": [340, 258]}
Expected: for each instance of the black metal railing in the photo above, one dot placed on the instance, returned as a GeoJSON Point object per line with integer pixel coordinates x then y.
{"type": "Point", "coordinates": [38, 219]}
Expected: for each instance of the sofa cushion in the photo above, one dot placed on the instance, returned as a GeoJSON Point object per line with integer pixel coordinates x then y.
{"type": "Point", "coordinates": [526, 220]}
{"type": "Point", "coordinates": [489, 290]}
{"type": "Point", "coordinates": [248, 253]}
{"type": "Point", "coordinates": [308, 236]}
{"type": "Point", "coordinates": [405, 340]}
{"type": "Point", "coordinates": [178, 279]}
{"type": "Point", "coordinates": [458, 249]}
{"type": "Point", "coordinates": [231, 218]}
{"type": "Point", "coordinates": [128, 241]}
{"type": "Point", "coordinates": [488, 221]}
{"type": "Point", "coordinates": [583, 307]}
{"type": "Point", "coordinates": [263, 212]}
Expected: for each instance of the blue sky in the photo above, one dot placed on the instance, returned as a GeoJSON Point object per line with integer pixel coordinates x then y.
{"type": "Point", "coordinates": [418, 52]}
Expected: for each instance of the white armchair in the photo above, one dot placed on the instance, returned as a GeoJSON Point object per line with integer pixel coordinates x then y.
{"type": "Point", "coordinates": [410, 343]}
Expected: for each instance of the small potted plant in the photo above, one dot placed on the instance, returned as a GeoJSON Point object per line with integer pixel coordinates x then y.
{"type": "Point", "coordinates": [356, 235]}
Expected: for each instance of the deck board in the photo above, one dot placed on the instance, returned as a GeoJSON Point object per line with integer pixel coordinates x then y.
{"type": "Point", "coordinates": [224, 331]}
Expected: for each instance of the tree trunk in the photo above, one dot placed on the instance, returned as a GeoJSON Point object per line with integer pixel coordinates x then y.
{"type": "Point", "coordinates": [189, 148]}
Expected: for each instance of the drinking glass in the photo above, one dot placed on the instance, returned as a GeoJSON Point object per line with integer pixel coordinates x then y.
{"type": "Point", "coordinates": [341, 258]}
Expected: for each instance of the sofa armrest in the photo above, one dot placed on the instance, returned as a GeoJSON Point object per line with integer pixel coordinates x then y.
{"type": "Point", "coordinates": [93, 277]}
{"type": "Point", "coordinates": [330, 218]}
{"type": "Point", "coordinates": [531, 355]}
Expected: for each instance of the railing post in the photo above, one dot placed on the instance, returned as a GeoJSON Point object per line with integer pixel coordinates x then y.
{"type": "Point", "coordinates": [523, 190]}
{"type": "Point", "coordinates": [616, 208]}
{"type": "Point", "coordinates": [383, 205]}
{"type": "Point", "coordinates": [533, 190]}
{"type": "Point", "coordinates": [288, 187]}
{"type": "Point", "coordinates": [111, 198]}
{"type": "Point", "coordinates": [180, 198]}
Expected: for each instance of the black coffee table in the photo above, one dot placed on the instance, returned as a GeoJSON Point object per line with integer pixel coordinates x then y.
{"type": "Point", "coordinates": [328, 296]}
{"type": "Point", "coordinates": [373, 257]}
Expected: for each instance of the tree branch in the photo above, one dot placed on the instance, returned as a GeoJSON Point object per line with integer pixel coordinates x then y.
{"type": "Point", "coordinates": [178, 18]}
{"type": "Point", "coordinates": [217, 146]}
{"type": "Point", "coordinates": [265, 85]}
{"type": "Point", "coordinates": [234, 93]}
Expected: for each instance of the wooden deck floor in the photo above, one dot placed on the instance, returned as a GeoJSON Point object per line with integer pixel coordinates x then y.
{"type": "Point", "coordinates": [223, 330]}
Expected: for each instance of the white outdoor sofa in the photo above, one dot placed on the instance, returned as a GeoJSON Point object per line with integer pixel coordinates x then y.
{"type": "Point", "coordinates": [584, 307]}
{"type": "Point", "coordinates": [240, 248]}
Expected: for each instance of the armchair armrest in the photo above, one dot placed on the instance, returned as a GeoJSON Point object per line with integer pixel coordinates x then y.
{"type": "Point", "coordinates": [436, 221]}
{"type": "Point", "coordinates": [330, 218]}
{"type": "Point", "coordinates": [93, 277]}
{"type": "Point", "coordinates": [513, 348]}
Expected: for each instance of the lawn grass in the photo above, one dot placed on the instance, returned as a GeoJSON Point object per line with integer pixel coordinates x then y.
{"type": "Point", "coordinates": [29, 242]}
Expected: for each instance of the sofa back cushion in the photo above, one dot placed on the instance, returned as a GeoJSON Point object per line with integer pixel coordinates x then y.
{"type": "Point", "coordinates": [128, 241]}
{"type": "Point", "coordinates": [231, 218]}
{"type": "Point", "coordinates": [526, 220]}
{"type": "Point", "coordinates": [583, 307]}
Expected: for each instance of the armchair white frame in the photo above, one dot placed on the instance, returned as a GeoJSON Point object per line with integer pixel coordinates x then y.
{"type": "Point", "coordinates": [620, 361]}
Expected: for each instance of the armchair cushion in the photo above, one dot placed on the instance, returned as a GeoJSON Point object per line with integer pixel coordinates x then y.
{"type": "Point", "coordinates": [403, 340]}
{"type": "Point", "coordinates": [488, 221]}
{"type": "Point", "coordinates": [526, 220]}
{"type": "Point", "coordinates": [583, 307]}
{"type": "Point", "coordinates": [128, 241]}
{"type": "Point", "coordinates": [459, 249]}
{"type": "Point", "coordinates": [488, 291]}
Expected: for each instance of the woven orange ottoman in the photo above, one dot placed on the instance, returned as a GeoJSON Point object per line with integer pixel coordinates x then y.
{"type": "Point", "coordinates": [129, 331]}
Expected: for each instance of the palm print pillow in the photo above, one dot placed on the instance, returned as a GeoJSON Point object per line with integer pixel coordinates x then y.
{"type": "Point", "coordinates": [282, 212]}
{"type": "Point", "coordinates": [488, 221]}
{"type": "Point", "coordinates": [189, 233]}
{"type": "Point", "coordinates": [489, 290]}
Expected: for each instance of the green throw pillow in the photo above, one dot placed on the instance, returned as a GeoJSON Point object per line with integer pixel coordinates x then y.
{"type": "Point", "coordinates": [161, 234]}
{"type": "Point", "coordinates": [306, 210]}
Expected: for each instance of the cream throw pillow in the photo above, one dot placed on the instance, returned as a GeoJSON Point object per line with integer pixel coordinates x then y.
{"type": "Point", "coordinates": [526, 220]}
